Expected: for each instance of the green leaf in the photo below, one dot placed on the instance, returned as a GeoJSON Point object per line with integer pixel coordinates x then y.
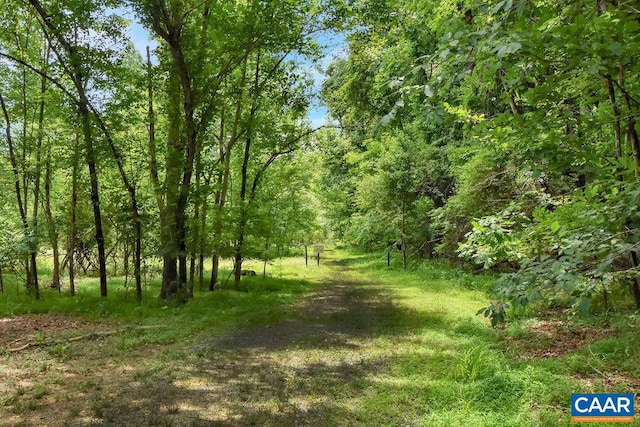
{"type": "Point", "coordinates": [603, 267]}
{"type": "Point", "coordinates": [497, 7]}
{"type": "Point", "coordinates": [555, 226]}
{"type": "Point", "coordinates": [428, 91]}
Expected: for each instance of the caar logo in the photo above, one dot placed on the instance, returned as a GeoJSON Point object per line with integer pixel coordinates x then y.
{"type": "Point", "coordinates": [608, 408]}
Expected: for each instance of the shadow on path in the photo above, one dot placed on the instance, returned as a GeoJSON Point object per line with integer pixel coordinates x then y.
{"type": "Point", "coordinates": [299, 371]}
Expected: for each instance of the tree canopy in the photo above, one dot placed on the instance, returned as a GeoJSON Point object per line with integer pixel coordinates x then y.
{"type": "Point", "coordinates": [503, 133]}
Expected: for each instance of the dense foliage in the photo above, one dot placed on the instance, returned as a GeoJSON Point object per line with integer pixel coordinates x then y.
{"type": "Point", "coordinates": [503, 132]}
{"type": "Point", "coordinates": [111, 158]}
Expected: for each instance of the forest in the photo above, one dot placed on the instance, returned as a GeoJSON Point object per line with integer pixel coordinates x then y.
{"type": "Point", "coordinates": [172, 150]}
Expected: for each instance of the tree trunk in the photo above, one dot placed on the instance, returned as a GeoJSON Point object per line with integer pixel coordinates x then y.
{"type": "Point", "coordinates": [632, 133]}
{"type": "Point", "coordinates": [196, 233]}
{"type": "Point", "coordinates": [170, 212]}
{"type": "Point", "coordinates": [192, 273]}
{"type": "Point", "coordinates": [221, 198]}
{"type": "Point", "coordinates": [201, 271]}
{"type": "Point", "coordinates": [183, 145]}
{"type": "Point", "coordinates": [137, 258]}
{"type": "Point", "coordinates": [243, 213]}
{"type": "Point", "coordinates": [95, 196]}
{"type": "Point", "coordinates": [244, 203]}
{"type": "Point", "coordinates": [237, 272]}
{"type": "Point", "coordinates": [632, 138]}
{"type": "Point", "coordinates": [21, 203]}
{"type": "Point", "coordinates": [169, 271]}
{"type": "Point", "coordinates": [53, 232]}
{"type": "Point", "coordinates": [616, 114]}
{"type": "Point", "coordinates": [636, 283]}
{"type": "Point", "coordinates": [404, 243]}
{"type": "Point", "coordinates": [74, 225]}
{"type": "Point", "coordinates": [36, 187]}
{"type": "Point", "coordinates": [215, 265]}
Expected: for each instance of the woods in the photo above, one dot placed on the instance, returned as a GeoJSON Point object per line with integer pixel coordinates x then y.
{"type": "Point", "coordinates": [202, 125]}
{"type": "Point", "coordinates": [290, 212]}
{"type": "Point", "coordinates": [501, 133]}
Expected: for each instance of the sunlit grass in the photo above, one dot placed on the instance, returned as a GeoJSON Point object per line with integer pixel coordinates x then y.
{"type": "Point", "coordinates": [154, 320]}
{"type": "Point", "coordinates": [447, 366]}
{"type": "Point", "coordinates": [414, 352]}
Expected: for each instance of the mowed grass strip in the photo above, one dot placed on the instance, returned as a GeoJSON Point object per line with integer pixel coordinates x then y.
{"type": "Point", "coordinates": [440, 364]}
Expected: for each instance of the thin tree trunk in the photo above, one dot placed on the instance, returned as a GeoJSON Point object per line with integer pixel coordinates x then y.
{"type": "Point", "coordinates": [221, 198]}
{"type": "Point", "coordinates": [153, 158]}
{"type": "Point", "coordinates": [196, 233]}
{"type": "Point", "coordinates": [243, 211]}
{"type": "Point", "coordinates": [266, 252]}
{"type": "Point", "coordinates": [137, 257]}
{"type": "Point", "coordinates": [32, 271]}
{"type": "Point", "coordinates": [192, 273]}
{"type": "Point", "coordinates": [36, 192]}
{"type": "Point", "coordinates": [53, 232]}
{"type": "Point", "coordinates": [95, 196]}
{"type": "Point", "coordinates": [74, 225]}
{"type": "Point", "coordinates": [215, 268]}
{"type": "Point", "coordinates": [616, 114]}
{"type": "Point", "coordinates": [632, 133]}
{"type": "Point", "coordinates": [404, 243]}
{"type": "Point", "coordinates": [203, 224]}
{"type": "Point", "coordinates": [36, 188]}
{"type": "Point", "coordinates": [16, 175]}
{"type": "Point", "coordinates": [632, 137]}
{"type": "Point", "coordinates": [244, 204]}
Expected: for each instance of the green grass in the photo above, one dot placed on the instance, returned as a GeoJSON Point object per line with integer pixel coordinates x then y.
{"type": "Point", "coordinates": [414, 352]}
{"type": "Point", "coordinates": [154, 320]}
{"type": "Point", "coordinates": [451, 367]}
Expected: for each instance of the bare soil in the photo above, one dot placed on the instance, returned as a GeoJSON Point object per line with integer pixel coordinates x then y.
{"type": "Point", "coordinates": [556, 337]}
{"type": "Point", "coordinates": [28, 330]}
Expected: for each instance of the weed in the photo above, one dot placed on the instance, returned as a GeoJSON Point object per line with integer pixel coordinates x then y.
{"type": "Point", "coordinates": [99, 407]}
{"type": "Point", "coordinates": [496, 312]}
{"type": "Point", "coordinates": [173, 409]}
{"type": "Point", "coordinates": [475, 364]}
{"type": "Point", "coordinates": [40, 392]}
{"type": "Point", "coordinates": [74, 411]}
{"type": "Point", "coordinates": [39, 337]}
{"type": "Point", "coordinates": [500, 392]}
{"type": "Point", "coordinates": [60, 350]}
